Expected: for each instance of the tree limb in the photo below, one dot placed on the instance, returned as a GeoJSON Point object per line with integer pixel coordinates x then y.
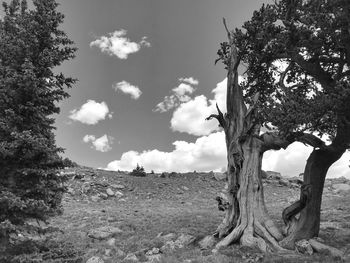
{"type": "Point", "coordinates": [273, 141]}
{"type": "Point", "coordinates": [219, 117]}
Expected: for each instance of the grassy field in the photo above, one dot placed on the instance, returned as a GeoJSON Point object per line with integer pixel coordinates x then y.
{"type": "Point", "coordinates": [145, 209]}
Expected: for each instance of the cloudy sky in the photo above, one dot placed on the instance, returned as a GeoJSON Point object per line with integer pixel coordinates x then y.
{"type": "Point", "coordinates": [147, 81]}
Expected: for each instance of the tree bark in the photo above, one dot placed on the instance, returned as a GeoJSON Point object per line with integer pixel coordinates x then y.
{"type": "Point", "coordinates": [246, 218]}
{"type": "Point", "coordinates": [308, 224]}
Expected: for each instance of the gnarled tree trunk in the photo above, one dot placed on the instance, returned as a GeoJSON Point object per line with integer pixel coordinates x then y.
{"type": "Point", "coordinates": [308, 224]}
{"type": "Point", "coordinates": [246, 218]}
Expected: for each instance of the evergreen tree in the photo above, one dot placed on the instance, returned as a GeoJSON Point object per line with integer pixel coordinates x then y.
{"type": "Point", "coordinates": [31, 46]}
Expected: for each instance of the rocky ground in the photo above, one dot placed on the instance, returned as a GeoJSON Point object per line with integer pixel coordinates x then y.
{"type": "Point", "coordinates": [114, 217]}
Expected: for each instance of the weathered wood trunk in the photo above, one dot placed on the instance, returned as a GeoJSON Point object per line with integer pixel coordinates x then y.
{"type": "Point", "coordinates": [308, 224]}
{"type": "Point", "coordinates": [246, 218]}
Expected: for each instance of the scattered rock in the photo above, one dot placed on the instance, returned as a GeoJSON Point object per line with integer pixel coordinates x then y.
{"type": "Point", "coordinates": [110, 192]}
{"type": "Point", "coordinates": [168, 247]}
{"type": "Point", "coordinates": [131, 257]}
{"type": "Point", "coordinates": [207, 242]}
{"type": "Point", "coordinates": [153, 251]}
{"type": "Point", "coordinates": [264, 175]}
{"type": "Point", "coordinates": [104, 196]}
{"type": "Point", "coordinates": [303, 246]}
{"type": "Point", "coordinates": [108, 252]}
{"type": "Point", "coordinates": [341, 187]}
{"type": "Point", "coordinates": [95, 198]}
{"type": "Point", "coordinates": [118, 193]}
{"type": "Point", "coordinates": [220, 176]}
{"type": "Point", "coordinates": [168, 237]}
{"type": "Point", "coordinates": [118, 186]}
{"type": "Point", "coordinates": [273, 175]}
{"type": "Point", "coordinates": [284, 182]}
{"type": "Point", "coordinates": [111, 242]}
{"type": "Point", "coordinates": [185, 188]}
{"type": "Point", "coordinates": [319, 247]}
{"type": "Point", "coordinates": [119, 253]}
{"type": "Point", "coordinates": [104, 232]}
{"type": "Point", "coordinates": [95, 259]}
{"type": "Point", "coordinates": [154, 258]}
{"type": "Point", "coordinates": [184, 240]}
{"type": "Point", "coordinates": [296, 180]}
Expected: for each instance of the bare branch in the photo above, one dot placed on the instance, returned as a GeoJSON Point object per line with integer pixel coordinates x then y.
{"type": "Point", "coordinates": [228, 31]}
{"type": "Point", "coordinates": [219, 117]}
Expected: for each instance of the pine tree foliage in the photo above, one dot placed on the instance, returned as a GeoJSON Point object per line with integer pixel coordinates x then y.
{"type": "Point", "coordinates": [31, 46]}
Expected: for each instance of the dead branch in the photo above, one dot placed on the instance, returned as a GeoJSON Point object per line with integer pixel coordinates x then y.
{"type": "Point", "coordinates": [219, 117]}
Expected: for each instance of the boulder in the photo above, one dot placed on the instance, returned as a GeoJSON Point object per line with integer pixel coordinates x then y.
{"type": "Point", "coordinates": [341, 187]}
{"type": "Point", "coordinates": [303, 246]}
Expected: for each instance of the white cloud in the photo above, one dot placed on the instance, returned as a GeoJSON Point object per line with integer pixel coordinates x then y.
{"type": "Point", "coordinates": [190, 117]}
{"type": "Point", "coordinates": [91, 112]}
{"type": "Point", "coordinates": [127, 88]}
{"type": "Point", "coordinates": [292, 161]}
{"type": "Point", "coordinates": [207, 153]}
{"type": "Point", "coordinates": [190, 80]}
{"type": "Point", "coordinates": [118, 44]}
{"type": "Point", "coordinates": [179, 95]}
{"type": "Point", "coordinates": [102, 144]}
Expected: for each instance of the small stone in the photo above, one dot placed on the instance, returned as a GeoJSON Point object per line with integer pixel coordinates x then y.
{"type": "Point", "coordinates": [131, 257]}
{"type": "Point", "coordinates": [185, 188]}
{"type": "Point", "coordinates": [120, 194]}
{"type": "Point", "coordinates": [104, 196]}
{"type": "Point", "coordinates": [119, 253]}
{"type": "Point", "coordinates": [273, 175]}
{"type": "Point", "coordinates": [184, 240]}
{"type": "Point", "coordinates": [95, 198]}
{"type": "Point", "coordinates": [118, 186]}
{"type": "Point", "coordinates": [303, 246]}
{"type": "Point", "coordinates": [220, 176]}
{"type": "Point", "coordinates": [154, 258]}
{"type": "Point", "coordinates": [110, 192]}
{"type": "Point", "coordinates": [153, 251]}
{"type": "Point", "coordinates": [108, 252]}
{"type": "Point", "coordinates": [284, 182]}
{"type": "Point", "coordinates": [168, 237]}
{"type": "Point", "coordinates": [207, 242]}
{"type": "Point", "coordinates": [95, 259]}
{"type": "Point", "coordinates": [111, 242]}
{"type": "Point", "coordinates": [104, 232]}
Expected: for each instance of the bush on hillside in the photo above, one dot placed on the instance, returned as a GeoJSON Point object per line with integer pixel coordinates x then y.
{"type": "Point", "coordinates": [138, 171]}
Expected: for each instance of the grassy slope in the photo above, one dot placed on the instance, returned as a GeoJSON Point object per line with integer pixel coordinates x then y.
{"type": "Point", "coordinates": [152, 205]}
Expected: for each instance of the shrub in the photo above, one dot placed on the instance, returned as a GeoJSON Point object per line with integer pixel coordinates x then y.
{"type": "Point", "coordinates": [138, 171]}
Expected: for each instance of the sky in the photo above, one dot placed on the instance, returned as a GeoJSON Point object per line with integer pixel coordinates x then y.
{"type": "Point", "coordinates": [146, 82]}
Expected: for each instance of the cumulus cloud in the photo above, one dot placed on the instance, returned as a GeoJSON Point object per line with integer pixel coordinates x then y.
{"type": "Point", "coordinates": [127, 88]}
{"type": "Point", "coordinates": [207, 153]}
{"type": "Point", "coordinates": [102, 144]}
{"type": "Point", "coordinates": [117, 44]}
{"type": "Point", "coordinates": [190, 117]}
{"type": "Point", "coordinates": [189, 80]}
{"type": "Point", "coordinates": [180, 94]}
{"type": "Point", "coordinates": [91, 112]}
